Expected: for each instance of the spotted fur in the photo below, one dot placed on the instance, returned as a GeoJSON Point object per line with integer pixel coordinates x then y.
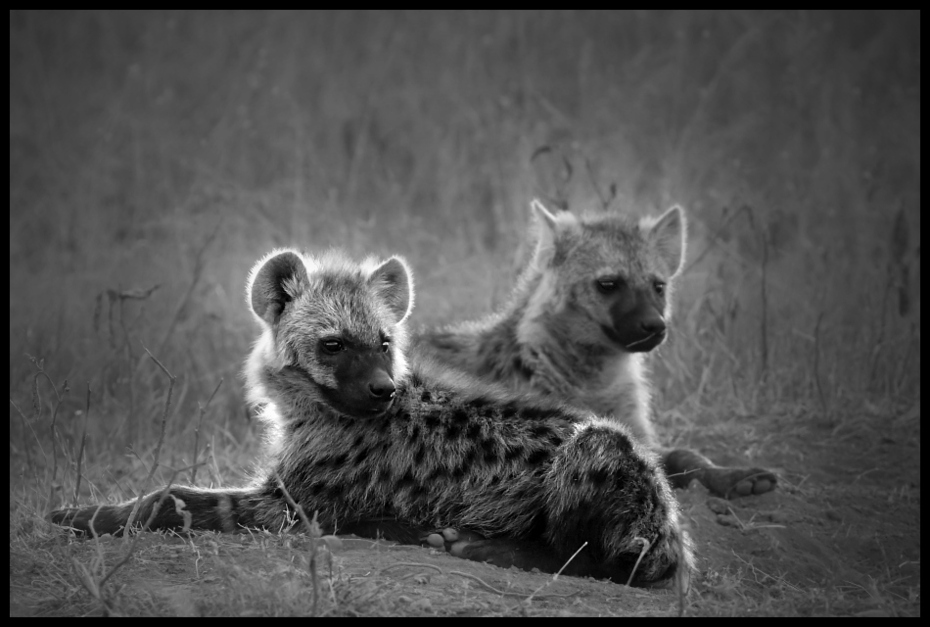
{"type": "Point", "coordinates": [358, 434]}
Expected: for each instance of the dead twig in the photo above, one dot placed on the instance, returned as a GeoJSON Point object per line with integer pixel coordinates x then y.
{"type": "Point", "coordinates": [161, 438]}
{"type": "Point", "coordinates": [203, 410]}
{"type": "Point", "coordinates": [313, 530]}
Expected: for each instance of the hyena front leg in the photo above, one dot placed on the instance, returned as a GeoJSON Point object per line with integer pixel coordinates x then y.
{"type": "Point", "coordinates": [683, 465]}
{"type": "Point", "coordinates": [607, 491]}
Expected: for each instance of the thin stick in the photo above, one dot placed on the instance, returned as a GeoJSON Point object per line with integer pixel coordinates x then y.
{"type": "Point", "coordinates": [312, 531]}
{"type": "Point", "coordinates": [25, 425]}
{"type": "Point", "coordinates": [163, 495]}
{"type": "Point", "coordinates": [556, 576]}
{"type": "Point", "coordinates": [820, 395]}
{"type": "Point", "coordinates": [161, 438]}
{"type": "Point", "coordinates": [646, 545]}
{"type": "Point", "coordinates": [198, 270]}
{"type": "Point", "coordinates": [203, 410]}
{"type": "Point", "coordinates": [77, 480]}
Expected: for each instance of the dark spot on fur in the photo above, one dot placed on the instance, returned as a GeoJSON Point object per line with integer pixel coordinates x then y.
{"type": "Point", "coordinates": [474, 431]}
{"type": "Point", "coordinates": [340, 460]}
{"type": "Point", "coordinates": [538, 457]}
{"type": "Point", "coordinates": [524, 371]}
{"type": "Point", "coordinates": [414, 433]}
{"type": "Point", "coordinates": [426, 397]}
{"type": "Point", "coordinates": [361, 455]}
{"type": "Point", "coordinates": [277, 493]}
{"type": "Point", "coordinates": [418, 456]}
{"type": "Point", "coordinates": [459, 414]}
{"type": "Point", "coordinates": [419, 493]}
{"type": "Point", "coordinates": [406, 481]}
{"type": "Point", "coordinates": [459, 473]}
{"type": "Point", "coordinates": [480, 402]}
{"type": "Point", "coordinates": [541, 431]}
{"type": "Point", "coordinates": [453, 431]}
{"type": "Point", "coordinates": [598, 476]}
{"type": "Point", "coordinates": [384, 475]}
{"type": "Point", "coordinates": [514, 452]}
{"type": "Point", "coordinates": [510, 410]}
{"type": "Point", "coordinates": [359, 440]}
{"type": "Point", "coordinates": [432, 419]}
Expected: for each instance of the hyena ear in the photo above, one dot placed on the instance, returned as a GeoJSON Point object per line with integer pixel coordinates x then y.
{"type": "Point", "coordinates": [275, 281]}
{"type": "Point", "coordinates": [394, 283]}
{"type": "Point", "coordinates": [667, 233]}
{"type": "Point", "coordinates": [550, 224]}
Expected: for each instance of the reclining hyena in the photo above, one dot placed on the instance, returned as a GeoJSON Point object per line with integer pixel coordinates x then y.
{"type": "Point", "coordinates": [356, 434]}
{"type": "Point", "coordinates": [592, 302]}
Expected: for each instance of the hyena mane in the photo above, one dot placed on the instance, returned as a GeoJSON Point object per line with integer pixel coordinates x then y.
{"type": "Point", "coordinates": [593, 301]}
{"type": "Point", "coordinates": [356, 433]}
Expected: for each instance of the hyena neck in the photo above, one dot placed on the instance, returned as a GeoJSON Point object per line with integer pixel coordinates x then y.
{"type": "Point", "coordinates": [536, 349]}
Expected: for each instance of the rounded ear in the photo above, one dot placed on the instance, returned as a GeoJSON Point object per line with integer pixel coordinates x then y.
{"type": "Point", "coordinates": [668, 233]}
{"type": "Point", "coordinates": [274, 282]}
{"type": "Point", "coordinates": [393, 282]}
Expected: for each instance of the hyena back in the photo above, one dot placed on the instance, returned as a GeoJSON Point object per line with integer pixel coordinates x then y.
{"type": "Point", "coordinates": [594, 299]}
{"type": "Point", "coordinates": [358, 434]}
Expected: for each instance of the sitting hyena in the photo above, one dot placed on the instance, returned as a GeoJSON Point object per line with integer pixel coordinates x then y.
{"type": "Point", "coordinates": [593, 300]}
{"type": "Point", "coordinates": [357, 435]}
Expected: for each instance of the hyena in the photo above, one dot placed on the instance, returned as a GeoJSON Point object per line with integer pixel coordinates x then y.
{"type": "Point", "coordinates": [357, 434]}
{"type": "Point", "coordinates": [594, 299]}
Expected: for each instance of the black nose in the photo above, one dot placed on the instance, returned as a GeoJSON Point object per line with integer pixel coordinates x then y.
{"type": "Point", "coordinates": [381, 388]}
{"type": "Point", "coordinates": [653, 325]}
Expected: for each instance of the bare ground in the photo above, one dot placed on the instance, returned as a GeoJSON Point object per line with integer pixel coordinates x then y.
{"type": "Point", "coordinates": [840, 536]}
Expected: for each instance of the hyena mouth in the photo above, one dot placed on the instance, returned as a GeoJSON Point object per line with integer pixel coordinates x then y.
{"type": "Point", "coordinates": [384, 406]}
{"type": "Point", "coordinates": [645, 344]}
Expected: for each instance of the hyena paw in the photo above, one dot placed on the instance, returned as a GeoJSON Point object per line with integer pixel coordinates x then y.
{"type": "Point", "coordinates": [453, 540]}
{"type": "Point", "coordinates": [731, 483]}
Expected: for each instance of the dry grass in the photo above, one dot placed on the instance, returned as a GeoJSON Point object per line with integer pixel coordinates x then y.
{"type": "Point", "coordinates": [155, 156]}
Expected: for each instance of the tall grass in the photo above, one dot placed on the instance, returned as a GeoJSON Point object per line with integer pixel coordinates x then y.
{"type": "Point", "coordinates": [170, 150]}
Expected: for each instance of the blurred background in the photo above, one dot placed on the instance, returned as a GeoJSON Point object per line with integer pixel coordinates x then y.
{"type": "Point", "coordinates": [154, 156]}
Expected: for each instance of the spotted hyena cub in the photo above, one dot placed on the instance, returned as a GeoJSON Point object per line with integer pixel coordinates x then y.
{"type": "Point", "coordinates": [357, 434]}
{"type": "Point", "coordinates": [594, 299]}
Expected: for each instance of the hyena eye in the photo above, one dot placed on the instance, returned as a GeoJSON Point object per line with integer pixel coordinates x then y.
{"type": "Point", "coordinates": [607, 285]}
{"type": "Point", "coordinates": [659, 287]}
{"type": "Point", "coordinates": [385, 346]}
{"type": "Point", "coordinates": [332, 346]}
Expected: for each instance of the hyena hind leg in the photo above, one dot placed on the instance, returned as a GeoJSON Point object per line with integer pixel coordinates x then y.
{"type": "Point", "coordinates": [683, 465]}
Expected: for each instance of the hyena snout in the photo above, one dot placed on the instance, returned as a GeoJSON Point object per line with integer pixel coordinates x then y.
{"type": "Point", "coordinates": [641, 330]}
{"type": "Point", "coordinates": [652, 325]}
{"type": "Point", "coordinates": [381, 387]}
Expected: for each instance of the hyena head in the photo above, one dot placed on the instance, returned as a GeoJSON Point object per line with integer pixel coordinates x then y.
{"type": "Point", "coordinates": [332, 331]}
{"type": "Point", "coordinates": [605, 280]}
